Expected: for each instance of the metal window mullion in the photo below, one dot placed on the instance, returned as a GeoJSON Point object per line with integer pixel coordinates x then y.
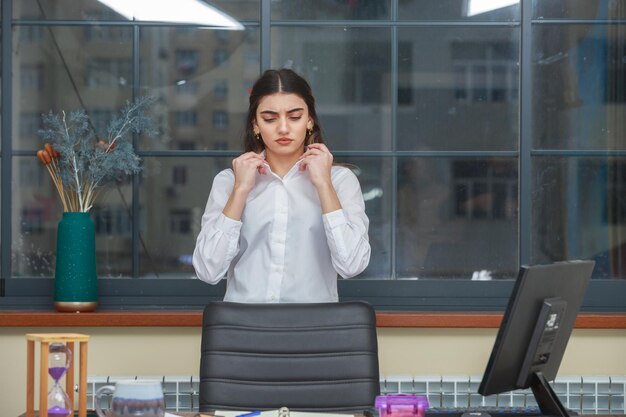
{"type": "Point", "coordinates": [266, 35]}
{"type": "Point", "coordinates": [525, 131]}
{"type": "Point", "coordinates": [7, 94]}
{"type": "Point", "coordinates": [136, 178]}
{"type": "Point", "coordinates": [394, 139]}
{"type": "Point", "coordinates": [391, 23]}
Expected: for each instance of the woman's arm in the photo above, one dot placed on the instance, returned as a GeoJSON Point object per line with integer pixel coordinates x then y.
{"type": "Point", "coordinates": [218, 240]}
{"type": "Point", "coordinates": [343, 209]}
{"type": "Point", "coordinates": [346, 228]}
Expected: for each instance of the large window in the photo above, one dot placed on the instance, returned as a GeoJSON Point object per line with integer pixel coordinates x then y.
{"type": "Point", "coordinates": [483, 136]}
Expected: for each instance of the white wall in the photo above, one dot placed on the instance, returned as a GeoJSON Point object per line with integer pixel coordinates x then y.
{"type": "Point", "coordinates": [176, 351]}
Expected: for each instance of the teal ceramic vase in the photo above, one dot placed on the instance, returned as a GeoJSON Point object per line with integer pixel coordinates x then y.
{"type": "Point", "coordinates": [75, 281]}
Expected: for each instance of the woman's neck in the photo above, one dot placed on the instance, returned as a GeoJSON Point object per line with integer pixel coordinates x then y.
{"type": "Point", "coordinates": [281, 164]}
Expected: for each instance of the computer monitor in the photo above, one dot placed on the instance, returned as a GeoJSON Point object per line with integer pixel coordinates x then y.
{"type": "Point", "coordinates": [535, 330]}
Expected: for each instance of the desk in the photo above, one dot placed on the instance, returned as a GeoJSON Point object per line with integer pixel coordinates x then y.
{"type": "Point", "coordinates": [194, 413]}
{"type": "Point", "coordinates": [180, 414]}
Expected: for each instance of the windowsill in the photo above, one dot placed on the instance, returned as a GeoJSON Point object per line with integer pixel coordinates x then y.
{"type": "Point", "coordinates": [194, 319]}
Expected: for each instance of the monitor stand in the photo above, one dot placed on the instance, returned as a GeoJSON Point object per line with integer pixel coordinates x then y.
{"type": "Point", "coordinates": [546, 398]}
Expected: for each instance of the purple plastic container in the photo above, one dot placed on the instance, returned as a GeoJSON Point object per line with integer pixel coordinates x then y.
{"type": "Point", "coordinates": [401, 405]}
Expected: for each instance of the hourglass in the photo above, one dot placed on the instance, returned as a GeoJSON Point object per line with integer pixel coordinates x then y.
{"type": "Point", "coordinates": [56, 361]}
{"type": "Point", "coordinates": [59, 359]}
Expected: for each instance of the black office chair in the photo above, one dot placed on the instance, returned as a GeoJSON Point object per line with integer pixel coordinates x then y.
{"type": "Point", "coordinates": [308, 357]}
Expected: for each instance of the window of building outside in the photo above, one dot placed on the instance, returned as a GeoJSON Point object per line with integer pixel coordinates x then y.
{"type": "Point", "coordinates": [185, 118]}
{"type": "Point", "coordinates": [32, 221]}
{"type": "Point", "coordinates": [483, 139]}
{"type": "Point", "coordinates": [187, 61]}
{"type": "Point", "coordinates": [179, 175]}
{"type": "Point", "coordinates": [31, 77]}
{"type": "Point", "coordinates": [108, 72]}
{"type": "Point", "coordinates": [180, 221]}
{"type": "Point", "coordinates": [220, 89]}
{"type": "Point", "coordinates": [220, 119]}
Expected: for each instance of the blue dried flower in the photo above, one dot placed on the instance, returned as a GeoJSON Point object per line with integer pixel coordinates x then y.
{"type": "Point", "coordinates": [79, 163]}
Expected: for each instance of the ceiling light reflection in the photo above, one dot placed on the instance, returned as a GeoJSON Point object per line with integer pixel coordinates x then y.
{"type": "Point", "coordinates": [475, 7]}
{"type": "Point", "coordinates": [179, 11]}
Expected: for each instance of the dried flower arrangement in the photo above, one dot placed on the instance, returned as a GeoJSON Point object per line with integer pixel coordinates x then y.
{"type": "Point", "coordinates": [79, 163]}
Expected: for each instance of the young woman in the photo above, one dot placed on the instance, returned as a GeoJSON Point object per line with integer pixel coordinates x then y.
{"type": "Point", "coordinates": [284, 220]}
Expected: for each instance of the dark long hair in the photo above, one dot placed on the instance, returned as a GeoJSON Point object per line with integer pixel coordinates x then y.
{"type": "Point", "coordinates": [279, 81]}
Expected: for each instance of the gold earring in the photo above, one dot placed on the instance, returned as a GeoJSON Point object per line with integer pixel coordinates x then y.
{"type": "Point", "coordinates": [257, 136]}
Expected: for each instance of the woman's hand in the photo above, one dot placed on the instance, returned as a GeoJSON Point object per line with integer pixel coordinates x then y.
{"type": "Point", "coordinates": [245, 168]}
{"type": "Point", "coordinates": [318, 161]}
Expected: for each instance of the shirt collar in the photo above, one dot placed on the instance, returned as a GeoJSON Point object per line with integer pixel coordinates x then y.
{"type": "Point", "coordinates": [294, 170]}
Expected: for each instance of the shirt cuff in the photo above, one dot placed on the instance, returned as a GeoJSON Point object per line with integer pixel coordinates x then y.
{"type": "Point", "coordinates": [335, 219]}
{"type": "Point", "coordinates": [227, 225]}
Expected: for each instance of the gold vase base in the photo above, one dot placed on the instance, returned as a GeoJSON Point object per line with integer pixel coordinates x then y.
{"type": "Point", "coordinates": [75, 306]}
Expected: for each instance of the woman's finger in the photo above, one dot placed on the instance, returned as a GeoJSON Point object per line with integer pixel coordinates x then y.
{"type": "Point", "coordinates": [319, 146]}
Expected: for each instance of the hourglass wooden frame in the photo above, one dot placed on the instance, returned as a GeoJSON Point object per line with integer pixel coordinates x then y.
{"type": "Point", "coordinates": [45, 339]}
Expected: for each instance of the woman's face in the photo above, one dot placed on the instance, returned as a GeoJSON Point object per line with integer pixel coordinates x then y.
{"type": "Point", "coordinates": [282, 120]}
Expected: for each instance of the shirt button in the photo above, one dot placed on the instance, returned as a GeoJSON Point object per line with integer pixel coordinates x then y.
{"type": "Point", "coordinates": [273, 298]}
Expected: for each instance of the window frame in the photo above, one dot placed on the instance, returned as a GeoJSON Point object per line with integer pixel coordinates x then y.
{"type": "Point", "coordinates": [391, 294]}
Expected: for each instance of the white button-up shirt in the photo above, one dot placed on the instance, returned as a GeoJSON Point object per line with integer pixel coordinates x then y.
{"type": "Point", "coordinates": [283, 249]}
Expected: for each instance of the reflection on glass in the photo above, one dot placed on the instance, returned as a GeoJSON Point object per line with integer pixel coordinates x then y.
{"type": "Point", "coordinates": [458, 88]}
{"type": "Point", "coordinates": [38, 212]}
{"type": "Point", "coordinates": [181, 11]}
{"type": "Point", "coordinates": [349, 73]}
{"type": "Point", "coordinates": [337, 10]}
{"type": "Point", "coordinates": [374, 175]}
{"type": "Point", "coordinates": [579, 87]}
{"type": "Point", "coordinates": [202, 78]}
{"type": "Point", "coordinates": [579, 212]}
{"type": "Point", "coordinates": [92, 66]}
{"type": "Point", "coordinates": [578, 9]}
{"type": "Point", "coordinates": [457, 216]}
{"type": "Point", "coordinates": [174, 193]}
{"type": "Point", "coordinates": [478, 10]}
{"type": "Point", "coordinates": [117, 9]}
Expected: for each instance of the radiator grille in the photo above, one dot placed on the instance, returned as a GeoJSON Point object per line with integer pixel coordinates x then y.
{"type": "Point", "coordinates": [583, 394]}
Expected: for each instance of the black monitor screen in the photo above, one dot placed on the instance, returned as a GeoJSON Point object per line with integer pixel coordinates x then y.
{"type": "Point", "coordinates": [535, 330]}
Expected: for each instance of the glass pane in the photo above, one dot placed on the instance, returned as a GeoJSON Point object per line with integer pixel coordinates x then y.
{"type": "Point", "coordinates": [37, 211]}
{"type": "Point", "coordinates": [375, 178]}
{"type": "Point", "coordinates": [457, 217]}
{"type": "Point", "coordinates": [579, 9]}
{"type": "Point", "coordinates": [199, 12]}
{"type": "Point", "coordinates": [174, 193]}
{"type": "Point", "coordinates": [92, 66]}
{"type": "Point", "coordinates": [480, 10]}
{"type": "Point", "coordinates": [579, 212]}
{"type": "Point", "coordinates": [202, 77]}
{"type": "Point", "coordinates": [337, 10]}
{"type": "Point", "coordinates": [458, 88]}
{"type": "Point", "coordinates": [349, 72]}
{"type": "Point", "coordinates": [579, 87]}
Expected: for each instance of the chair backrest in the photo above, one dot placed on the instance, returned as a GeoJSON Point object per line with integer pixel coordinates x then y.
{"type": "Point", "coordinates": [313, 357]}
